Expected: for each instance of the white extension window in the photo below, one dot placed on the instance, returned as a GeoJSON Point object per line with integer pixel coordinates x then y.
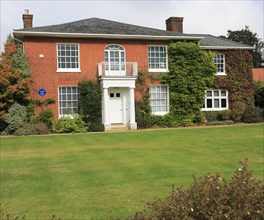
{"type": "Point", "coordinates": [68, 57]}
{"type": "Point", "coordinates": [159, 96]}
{"type": "Point", "coordinates": [219, 60]}
{"type": "Point", "coordinates": [68, 100]}
{"type": "Point", "coordinates": [157, 59]}
{"type": "Point", "coordinates": [216, 100]}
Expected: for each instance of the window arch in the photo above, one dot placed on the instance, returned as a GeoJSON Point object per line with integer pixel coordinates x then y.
{"type": "Point", "coordinates": [115, 58]}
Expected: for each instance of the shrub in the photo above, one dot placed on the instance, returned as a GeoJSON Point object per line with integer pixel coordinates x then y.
{"type": "Point", "coordinates": [90, 104]}
{"type": "Point", "coordinates": [15, 118]}
{"type": "Point", "coordinates": [211, 116]}
{"type": "Point", "coordinates": [212, 197]}
{"type": "Point", "coordinates": [226, 122]}
{"type": "Point", "coordinates": [33, 129]}
{"type": "Point", "coordinates": [253, 114]}
{"type": "Point", "coordinates": [46, 116]}
{"type": "Point", "coordinates": [237, 111]}
{"type": "Point", "coordinates": [259, 94]}
{"type": "Point", "coordinates": [143, 113]}
{"type": "Point", "coordinates": [69, 125]}
{"type": "Point", "coordinates": [224, 115]}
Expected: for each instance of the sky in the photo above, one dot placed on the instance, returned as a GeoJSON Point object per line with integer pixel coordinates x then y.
{"type": "Point", "coordinates": [200, 16]}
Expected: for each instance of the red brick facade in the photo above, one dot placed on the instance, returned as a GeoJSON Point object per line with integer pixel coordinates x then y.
{"type": "Point", "coordinates": [42, 57]}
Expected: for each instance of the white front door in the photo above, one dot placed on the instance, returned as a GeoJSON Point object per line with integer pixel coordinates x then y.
{"type": "Point", "coordinates": [115, 107]}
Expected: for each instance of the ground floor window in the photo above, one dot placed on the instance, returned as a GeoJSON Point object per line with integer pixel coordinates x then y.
{"type": "Point", "coordinates": [216, 100]}
{"type": "Point", "coordinates": [159, 99]}
{"type": "Point", "coordinates": [68, 99]}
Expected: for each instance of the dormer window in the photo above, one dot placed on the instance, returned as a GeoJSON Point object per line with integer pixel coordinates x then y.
{"type": "Point", "coordinates": [219, 61]}
{"type": "Point", "coordinates": [68, 58]}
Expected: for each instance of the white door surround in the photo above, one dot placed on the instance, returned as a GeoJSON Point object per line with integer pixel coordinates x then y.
{"type": "Point", "coordinates": [118, 101]}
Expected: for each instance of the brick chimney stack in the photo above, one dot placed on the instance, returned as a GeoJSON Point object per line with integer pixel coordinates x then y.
{"type": "Point", "coordinates": [174, 24]}
{"type": "Point", "coordinates": [27, 19]}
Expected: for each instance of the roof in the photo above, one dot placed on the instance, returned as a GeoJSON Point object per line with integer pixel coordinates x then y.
{"type": "Point", "coordinates": [258, 74]}
{"type": "Point", "coordinates": [209, 41]}
{"type": "Point", "coordinates": [101, 28]}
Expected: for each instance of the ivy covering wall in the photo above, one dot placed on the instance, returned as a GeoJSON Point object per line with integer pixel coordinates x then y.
{"type": "Point", "coordinates": [239, 80]}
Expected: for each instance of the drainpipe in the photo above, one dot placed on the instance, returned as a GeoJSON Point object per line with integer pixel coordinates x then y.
{"type": "Point", "coordinates": [20, 41]}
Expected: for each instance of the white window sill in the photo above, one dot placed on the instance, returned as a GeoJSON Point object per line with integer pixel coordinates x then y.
{"type": "Point", "coordinates": [70, 116]}
{"type": "Point", "coordinates": [213, 109]}
{"type": "Point", "coordinates": [220, 74]}
{"type": "Point", "coordinates": [159, 113]}
{"type": "Point", "coordinates": [158, 70]}
{"type": "Point", "coordinates": [68, 71]}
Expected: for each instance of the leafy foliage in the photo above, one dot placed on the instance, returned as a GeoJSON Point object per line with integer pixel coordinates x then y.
{"type": "Point", "coordinates": [191, 72]}
{"type": "Point", "coordinates": [212, 197]}
{"type": "Point", "coordinates": [15, 118]}
{"type": "Point", "coordinates": [69, 125]}
{"type": "Point", "coordinates": [246, 36]}
{"type": "Point", "coordinates": [46, 116]}
{"type": "Point", "coordinates": [14, 77]}
{"type": "Point", "coordinates": [33, 129]}
{"type": "Point", "coordinates": [259, 94]}
{"type": "Point", "coordinates": [239, 80]}
{"type": "Point", "coordinates": [90, 104]}
{"type": "Point", "coordinates": [253, 114]}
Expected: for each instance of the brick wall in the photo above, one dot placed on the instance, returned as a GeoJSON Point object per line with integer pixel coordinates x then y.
{"type": "Point", "coordinates": [43, 69]}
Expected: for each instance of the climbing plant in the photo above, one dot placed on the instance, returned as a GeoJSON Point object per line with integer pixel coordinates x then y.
{"type": "Point", "coordinates": [191, 72]}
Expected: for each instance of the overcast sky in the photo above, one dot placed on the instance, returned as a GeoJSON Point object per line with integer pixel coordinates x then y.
{"type": "Point", "coordinates": [202, 17]}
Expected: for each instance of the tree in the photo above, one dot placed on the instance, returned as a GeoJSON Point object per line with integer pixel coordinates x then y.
{"type": "Point", "coordinates": [246, 36]}
{"type": "Point", "coordinates": [14, 77]}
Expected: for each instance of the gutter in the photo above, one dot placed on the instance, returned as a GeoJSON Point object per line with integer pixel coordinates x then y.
{"type": "Point", "coordinates": [20, 41]}
{"type": "Point", "coordinates": [227, 47]}
{"type": "Point", "coordinates": [21, 34]}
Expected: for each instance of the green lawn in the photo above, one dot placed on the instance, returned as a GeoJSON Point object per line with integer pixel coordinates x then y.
{"type": "Point", "coordinates": [95, 176]}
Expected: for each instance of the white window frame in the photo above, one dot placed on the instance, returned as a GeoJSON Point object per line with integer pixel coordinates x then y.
{"type": "Point", "coordinates": [216, 60]}
{"type": "Point", "coordinates": [166, 69]}
{"type": "Point", "coordinates": [167, 99]}
{"type": "Point", "coordinates": [213, 98]}
{"type": "Point", "coordinates": [59, 70]}
{"type": "Point", "coordinates": [59, 101]}
{"type": "Point", "coordinates": [110, 48]}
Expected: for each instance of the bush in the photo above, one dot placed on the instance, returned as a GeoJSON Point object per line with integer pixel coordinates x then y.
{"type": "Point", "coordinates": [224, 115]}
{"type": "Point", "coordinates": [143, 113]}
{"type": "Point", "coordinates": [15, 118]}
{"type": "Point", "coordinates": [227, 122]}
{"type": "Point", "coordinates": [33, 129]}
{"type": "Point", "coordinates": [69, 125]}
{"type": "Point", "coordinates": [90, 104]}
{"type": "Point", "coordinates": [237, 111]}
{"type": "Point", "coordinates": [46, 116]}
{"type": "Point", "coordinates": [252, 115]}
{"type": "Point", "coordinates": [259, 94]}
{"type": "Point", "coordinates": [211, 116]}
{"type": "Point", "coordinates": [212, 197]}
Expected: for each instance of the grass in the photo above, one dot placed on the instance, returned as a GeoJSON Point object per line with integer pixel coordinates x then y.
{"type": "Point", "coordinates": [95, 176]}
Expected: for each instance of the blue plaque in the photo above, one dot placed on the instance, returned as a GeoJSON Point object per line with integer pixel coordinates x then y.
{"type": "Point", "coordinates": [42, 92]}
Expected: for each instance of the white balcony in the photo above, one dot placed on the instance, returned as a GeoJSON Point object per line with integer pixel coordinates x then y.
{"type": "Point", "coordinates": [126, 69]}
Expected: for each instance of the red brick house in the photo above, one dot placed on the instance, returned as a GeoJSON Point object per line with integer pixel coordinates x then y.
{"type": "Point", "coordinates": [60, 56]}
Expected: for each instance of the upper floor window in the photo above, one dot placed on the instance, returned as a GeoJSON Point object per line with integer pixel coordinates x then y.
{"type": "Point", "coordinates": [68, 57]}
{"type": "Point", "coordinates": [215, 100]}
{"type": "Point", "coordinates": [157, 59]}
{"type": "Point", "coordinates": [68, 100]}
{"type": "Point", "coordinates": [114, 59]}
{"type": "Point", "coordinates": [219, 61]}
{"type": "Point", "coordinates": [159, 99]}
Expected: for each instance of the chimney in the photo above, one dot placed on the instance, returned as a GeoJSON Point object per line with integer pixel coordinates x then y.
{"type": "Point", "coordinates": [174, 24]}
{"type": "Point", "coordinates": [27, 19]}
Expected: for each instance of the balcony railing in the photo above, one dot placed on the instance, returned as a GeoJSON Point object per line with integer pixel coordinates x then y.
{"type": "Point", "coordinates": [127, 69]}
